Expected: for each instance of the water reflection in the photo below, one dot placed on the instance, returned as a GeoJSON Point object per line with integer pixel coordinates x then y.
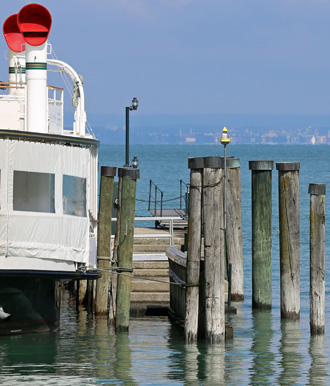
{"type": "Point", "coordinates": [191, 363]}
{"type": "Point", "coordinates": [291, 359]}
{"type": "Point", "coordinates": [196, 364]}
{"type": "Point", "coordinates": [263, 358]}
{"type": "Point", "coordinates": [22, 353]}
{"type": "Point", "coordinates": [123, 362]}
{"type": "Point", "coordinates": [214, 365]}
{"type": "Point", "coordinates": [317, 371]}
{"type": "Point", "coordinates": [264, 351]}
{"type": "Point", "coordinates": [105, 357]}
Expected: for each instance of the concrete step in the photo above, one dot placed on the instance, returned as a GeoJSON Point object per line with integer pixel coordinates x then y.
{"type": "Point", "coordinates": [150, 265]}
{"type": "Point", "coordinates": [150, 297]}
{"type": "Point", "coordinates": [151, 248]}
{"type": "Point", "coordinates": [151, 272]}
{"type": "Point", "coordinates": [156, 240]}
{"type": "Point", "coordinates": [150, 286]}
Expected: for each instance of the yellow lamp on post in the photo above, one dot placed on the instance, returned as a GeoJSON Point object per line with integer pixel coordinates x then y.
{"type": "Point", "coordinates": [225, 137]}
{"type": "Point", "coordinates": [225, 140]}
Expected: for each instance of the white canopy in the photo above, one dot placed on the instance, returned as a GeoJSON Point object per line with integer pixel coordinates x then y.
{"type": "Point", "coordinates": [36, 220]}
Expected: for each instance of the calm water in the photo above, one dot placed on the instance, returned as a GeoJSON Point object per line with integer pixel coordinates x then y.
{"type": "Point", "coordinates": [265, 350]}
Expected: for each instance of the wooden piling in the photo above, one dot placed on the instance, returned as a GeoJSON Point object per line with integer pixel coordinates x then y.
{"type": "Point", "coordinates": [82, 290]}
{"type": "Point", "coordinates": [114, 277]}
{"type": "Point", "coordinates": [317, 258]}
{"type": "Point", "coordinates": [288, 186]}
{"type": "Point", "coordinates": [234, 237]}
{"type": "Point", "coordinates": [125, 252]}
{"type": "Point", "coordinates": [261, 186]}
{"type": "Point", "coordinates": [213, 253]}
{"type": "Point", "coordinates": [193, 255]}
{"type": "Point", "coordinates": [103, 239]}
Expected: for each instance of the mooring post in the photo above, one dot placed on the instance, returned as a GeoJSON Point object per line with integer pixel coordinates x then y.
{"type": "Point", "coordinates": [194, 252]}
{"type": "Point", "coordinates": [317, 258]}
{"type": "Point", "coordinates": [288, 187]}
{"type": "Point", "coordinates": [82, 290]}
{"type": "Point", "coordinates": [103, 239]}
{"type": "Point", "coordinates": [234, 238]}
{"type": "Point", "coordinates": [261, 186]}
{"type": "Point", "coordinates": [125, 252]}
{"type": "Point", "coordinates": [214, 271]}
{"type": "Point", "coordinates": [114, 278]}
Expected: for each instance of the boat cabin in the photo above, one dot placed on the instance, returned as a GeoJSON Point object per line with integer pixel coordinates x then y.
{"type": "Point", "coordinates": [48, 174]}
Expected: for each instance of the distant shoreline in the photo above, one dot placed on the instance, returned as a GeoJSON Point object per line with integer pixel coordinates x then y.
{"type": "Point", "coordinates": [203, 129]}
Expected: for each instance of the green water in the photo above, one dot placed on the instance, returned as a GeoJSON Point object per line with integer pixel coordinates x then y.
{"type": "Point", "coordinates": [85, 351]}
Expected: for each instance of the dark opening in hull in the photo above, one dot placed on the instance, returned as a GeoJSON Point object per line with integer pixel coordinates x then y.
{"type": "Point", "coordinates": [33, 305]}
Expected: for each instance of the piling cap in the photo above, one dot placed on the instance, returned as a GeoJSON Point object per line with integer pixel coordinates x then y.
{"type": "Point", "coordinates": [225, 137]}
{"type": "Point", "coordinates": [317, 189]}
{"type": "Point", "coordinates": [12, 34]}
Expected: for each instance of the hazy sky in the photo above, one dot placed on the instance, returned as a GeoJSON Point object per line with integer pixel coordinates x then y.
{"type": "Point", "coordinates": [194, 56]}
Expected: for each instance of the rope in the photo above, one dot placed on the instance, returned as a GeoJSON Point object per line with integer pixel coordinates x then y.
{"type": "Point", "coordinates": [206, 186]}
{"type": "Point", "coordinates": [119, 271]}
{"type": "Point", "coordinates": [153, 201]}
{"type": "Point", "coordinates": [179, 281]}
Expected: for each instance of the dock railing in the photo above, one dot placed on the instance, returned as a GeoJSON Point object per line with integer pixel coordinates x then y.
{"type": "Point", "coordinates": [154, 199]}
{"type": "Point", "coordinates": [184, 195]}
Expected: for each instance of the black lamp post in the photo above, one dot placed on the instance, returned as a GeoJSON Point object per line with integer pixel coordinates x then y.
{"type": "Point", "coordinates": [134, 106]}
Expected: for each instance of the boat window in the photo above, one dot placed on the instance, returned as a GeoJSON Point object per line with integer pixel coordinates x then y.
{"type": "Point", "coordinates": [74, 195]}
{"type": "Point", "coordinates": [34, 192]}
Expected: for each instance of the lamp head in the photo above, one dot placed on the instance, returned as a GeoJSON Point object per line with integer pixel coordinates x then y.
{"type": "Point", "coordinates": [225, 137]}
{"type": "Point", "coordinates": [135, 104]}
{"type": "Point", "coordinates": [135, 162]}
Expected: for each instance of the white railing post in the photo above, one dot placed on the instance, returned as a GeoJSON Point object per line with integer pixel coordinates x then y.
{"type": "Point", "coordinates": [171, 233]}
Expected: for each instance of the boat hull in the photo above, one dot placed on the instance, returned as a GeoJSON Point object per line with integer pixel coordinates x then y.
{"type": "Point", "coordinates": [33, 305]}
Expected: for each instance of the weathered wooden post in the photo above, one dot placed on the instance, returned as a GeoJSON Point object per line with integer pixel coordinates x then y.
{"type": "Point", "coordinates": [213, 253]}
{"type": "Point", "coordinates": [234, 238]}
{"type": "Point", "coordinates": [317, 258]}
{"type": "Point", "coordinates": [126, 238]}
{"type": "Point", "coordinates": [194, 250]}
{"type": "Point", "coordinates": [261, 233]}
{"type": "Point", "coordinates": [82, 286]}
{"type": "Point", "coordinates": [103, 239]}
{"type": "Point", "coordinates": [114, 279]}
{"type": "Point", "coordinates": [288, 187]}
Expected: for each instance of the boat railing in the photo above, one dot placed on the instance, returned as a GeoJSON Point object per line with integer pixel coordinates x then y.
{"type": "Point", "coordinates": [166, 233]}
{"type": "Point", "coordinates": [55, 107]}
{"type": "Point", "coordinates": [55, 110]}
{"type": "Point", "coordinates": [6, 85]}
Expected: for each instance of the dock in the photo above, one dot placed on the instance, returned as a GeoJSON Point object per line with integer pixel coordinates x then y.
{"type": "Point", "coordinates": [150, 262]}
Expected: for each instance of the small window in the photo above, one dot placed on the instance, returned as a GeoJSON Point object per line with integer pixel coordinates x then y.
{"type": "Point", "coordinates": [74, 196]}
{"type": "Point", "coordinates": [34, 192]}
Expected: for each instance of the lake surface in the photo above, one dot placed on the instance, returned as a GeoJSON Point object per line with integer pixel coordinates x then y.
{"type": "Point", "coordinates": [264, 351]}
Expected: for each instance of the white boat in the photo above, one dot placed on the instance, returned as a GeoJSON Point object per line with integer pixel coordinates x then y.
{"type": "Point", "coordinates": [48, 181]}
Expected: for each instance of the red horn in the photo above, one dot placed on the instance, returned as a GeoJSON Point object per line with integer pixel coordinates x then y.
{"type": "Point", "coordinates": [13, 35]}
{"type": "Point", "coordinates": [34, 21]}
